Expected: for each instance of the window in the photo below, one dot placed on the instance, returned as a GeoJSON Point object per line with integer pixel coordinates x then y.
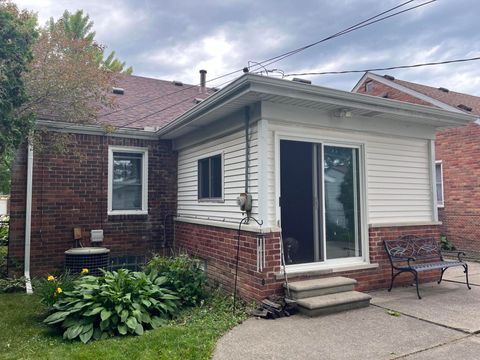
{"type": "Point", "coordinates": [439, 182]}
{"type": "Point", "coordinates": [368, 86]}
{"type": "Point", "coordinates": [210, 178]}
{"type": "Point", "coordinates": [127, 181]}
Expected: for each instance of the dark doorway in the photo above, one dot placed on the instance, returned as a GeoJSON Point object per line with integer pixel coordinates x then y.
{"type": "Point", "coordinates": [296, 201]}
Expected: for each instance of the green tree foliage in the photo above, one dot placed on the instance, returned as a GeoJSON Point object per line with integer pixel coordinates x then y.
{"type": "Point", "coordinates": [17, 35]}
{"type": "Point", "coordinates": [79, 26]}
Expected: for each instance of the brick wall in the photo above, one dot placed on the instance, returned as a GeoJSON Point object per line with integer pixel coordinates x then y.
{"type": "Point", "coordinates": [379, 89]}
{"type": "Point", "coordinates": [70, 190]}
{"type": "Point", "coordinates": [459, 150]}
{"type": "Point", "coordinates": [217, 246]}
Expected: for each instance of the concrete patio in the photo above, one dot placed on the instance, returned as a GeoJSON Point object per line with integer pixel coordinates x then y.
{"type": "Point", "coordinates": [445, 323]}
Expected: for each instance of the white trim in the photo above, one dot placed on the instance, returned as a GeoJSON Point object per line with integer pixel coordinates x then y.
{"type": "Point", "coordinates": [406, 90]}
{"type": "Point", "coordinates": [433, 179]}
{"type": "Point", "coordinates": [92, 129]}
{"type": "Point", "coordinates": [329, 266]}
{"type": "Point", "coordinates": [262, 141]}
{"type": "Point", "coordinates": [227, 225]}
{"type": "Point", "coordinates": [28, 217]}
{"type": "Point", "coordinates": [442, 204]}
{"type": "Point", "coordinates": [222, 173]}
{"type": "Point", "coordinates": [326, 270]}
{"type": "Point", "coordinates": [133, 150]}
{"type": "Point", "coordinates": [329, 141]}
{"type": "Point", "coordinates": [408, 223]}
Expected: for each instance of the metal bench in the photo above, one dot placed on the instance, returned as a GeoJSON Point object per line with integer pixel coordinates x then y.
{"type": "Point", "coordinates": [404, 253]}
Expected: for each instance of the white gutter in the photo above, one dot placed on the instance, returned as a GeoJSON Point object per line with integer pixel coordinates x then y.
{"type": "Point", "coordinates": [28, 218]}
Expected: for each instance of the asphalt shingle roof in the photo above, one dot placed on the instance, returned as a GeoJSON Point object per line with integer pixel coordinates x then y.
{"type": "Point", "coordinates": [451, 98]}
{"type": "Point", "coordinates": [148, 102]}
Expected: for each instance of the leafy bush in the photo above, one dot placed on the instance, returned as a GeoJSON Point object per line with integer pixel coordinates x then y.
{"type": "Point", "coordinates": [53, 288]}
{"type": "Point", "coordinates": [118, 303]}
{"type": "Point", "coordinates": [184, 276]}
{"type": "Point", "coordinates": [446, 244]}
{"type": "Point", "coordinates": [4, 230]}
{"type": "Point", "coordinates": [9, 285]}
{"type": "Point", "coordinates": [3, 261]}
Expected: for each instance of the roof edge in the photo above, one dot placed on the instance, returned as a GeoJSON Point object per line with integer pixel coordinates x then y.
{"type": "Point", "coordinates": [95, 129]}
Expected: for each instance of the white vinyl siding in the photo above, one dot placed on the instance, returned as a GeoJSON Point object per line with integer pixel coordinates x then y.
{"type": "Point", "coordinates": [232, 148]}
{"type": "Point", "coordinates": [397, 172]}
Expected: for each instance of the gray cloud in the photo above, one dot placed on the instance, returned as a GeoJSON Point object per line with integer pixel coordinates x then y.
{"type": "Point", "coordinates": [174, 39]}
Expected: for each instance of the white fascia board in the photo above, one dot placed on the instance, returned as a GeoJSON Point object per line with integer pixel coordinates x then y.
{"type": "Point", "coordinates": [90, 129]}
{"type": "Point", "coordinates": [263, 85]}
{"type": "Point", "coordinates": [406, 90]}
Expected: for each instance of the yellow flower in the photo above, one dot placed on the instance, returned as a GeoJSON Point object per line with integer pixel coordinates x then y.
{"type": "Point", "coordinates": [59, 290]}
{"type": "Point", "coordinates": [84, 271]}
{"type": "Point", "coordinates": [51, 278]}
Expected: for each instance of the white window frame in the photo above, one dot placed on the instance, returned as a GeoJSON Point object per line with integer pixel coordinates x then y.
{"type": "Point", "coordinates": [330, 141]}
{"type": "Point", "coordinates": [439, 204]}
{"type": "Point", "coordinates": [222, 162]}
{"type": "Point", "coordinates": [133, 150]}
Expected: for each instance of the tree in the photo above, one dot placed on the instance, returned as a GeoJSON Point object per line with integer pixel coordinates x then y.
{"type": "Point", "coordinates": [79, 26]}
{"type": "Point", "coordinates": [17, 35]}
{"type": "Point", "coordinates": [64, 81]}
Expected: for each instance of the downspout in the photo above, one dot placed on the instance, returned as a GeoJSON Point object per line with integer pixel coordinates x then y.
{"type": "Point", "coordinates": [247, 146]}
{"type": "Point", "coordinates": [28, 218]}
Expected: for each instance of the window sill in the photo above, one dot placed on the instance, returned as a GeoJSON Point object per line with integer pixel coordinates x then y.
{"type": "Point", "coordinates": [219, 200]}
{"type": "Point", "coordinates": [126, 212]}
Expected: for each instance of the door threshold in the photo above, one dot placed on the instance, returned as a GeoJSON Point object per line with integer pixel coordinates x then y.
{"type": "Point", "coordinates": [294, 273]}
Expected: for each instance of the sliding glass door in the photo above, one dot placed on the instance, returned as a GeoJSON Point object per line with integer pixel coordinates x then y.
{"type": "Point", "coordinates": [319, 202]}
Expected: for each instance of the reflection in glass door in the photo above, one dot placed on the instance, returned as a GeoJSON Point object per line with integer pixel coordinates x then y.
{"type": "Point", "coordinates": [341, 187]}
{"type": "Point", "coordinates": [319, 202]}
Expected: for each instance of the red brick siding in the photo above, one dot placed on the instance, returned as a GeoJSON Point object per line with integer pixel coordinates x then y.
{"type": "Point", "coordinates": [217, 246]}
{"type": "Point", "coordinates": [459, 150]}
{"type": "Point", "coordinates": [379, 89]}
{"type": "Point", "coordinates": [70, 190]}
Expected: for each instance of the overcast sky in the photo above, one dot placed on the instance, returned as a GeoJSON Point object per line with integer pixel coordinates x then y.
{"type": "Point", "coordinates": [173, 40]}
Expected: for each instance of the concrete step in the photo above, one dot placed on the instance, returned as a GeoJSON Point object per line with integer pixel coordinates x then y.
{"type": "Point", "coordinates": [333, 303]}
{"type": "Point", "coordinates": [317, 287]}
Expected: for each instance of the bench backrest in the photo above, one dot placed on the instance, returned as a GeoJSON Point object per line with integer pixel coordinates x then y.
{"type": "Point", "coordinates": [420, 248]}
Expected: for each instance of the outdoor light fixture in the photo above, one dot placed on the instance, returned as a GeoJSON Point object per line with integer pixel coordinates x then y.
{"type": "Point", "coordinates": [260, 251]}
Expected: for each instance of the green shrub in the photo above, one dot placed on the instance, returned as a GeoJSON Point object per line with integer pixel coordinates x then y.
{"type": "Point", "coordinates": [118, 303]}
{"type": "Point", "coordinates": [3, 261]}
{"type": "Point", "coordinates": [4, 231]}
{"type": "Point", "coordinates": [184, 276]}
{"type": "Point", "coordinates": [446, 244]}
{"type": "Point", "coordinates": [53, 288]}
{"type": "Point", "coordinates": [8, 285]}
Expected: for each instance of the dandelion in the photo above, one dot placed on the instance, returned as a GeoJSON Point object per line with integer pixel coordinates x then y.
{"type": "Point", "coordinates": [59, 290]}
{"type": "Point", "coordinates": [51, 278]}
{"type": "Point", "coordinates": [84, 271]}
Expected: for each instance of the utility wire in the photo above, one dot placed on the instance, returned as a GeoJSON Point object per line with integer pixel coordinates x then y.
{"type": "Point", "coordinates": [272, 60]}
{"type": "Point", "coordinates": [276, 58]}
{"type": "Point", "coordinates": [385, 68]}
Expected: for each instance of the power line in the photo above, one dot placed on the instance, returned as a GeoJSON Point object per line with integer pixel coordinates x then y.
{"type": "Point", "coordinates": [284, 55]}
{"type": "Point", "coordinates": [272, 60]}
{"type": "Point", "coordinates": [386, 68]}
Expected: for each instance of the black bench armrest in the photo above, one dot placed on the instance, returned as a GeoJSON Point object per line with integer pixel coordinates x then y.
{"type": "Point", "coordinates": [458, 253]}
{"type": "Point", "coordinates": [404, 258]}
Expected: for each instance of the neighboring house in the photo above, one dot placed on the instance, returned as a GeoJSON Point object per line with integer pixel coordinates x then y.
{"type": "Point", "coordinates": [457, 154]}
{"type": "Point", "coordinates": [4, 205]}
{"type": "Point", "coordinates": [286, 143]}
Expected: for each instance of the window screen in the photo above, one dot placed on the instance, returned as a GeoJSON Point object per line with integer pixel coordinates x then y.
{"type": "Point", "coordinates": [210, 177]}
{"type": "Point", "coordinates": [127, 181]}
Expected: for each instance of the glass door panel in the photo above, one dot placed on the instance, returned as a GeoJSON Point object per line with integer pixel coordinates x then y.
{"type": "Point", "coordinates": [341, 202]}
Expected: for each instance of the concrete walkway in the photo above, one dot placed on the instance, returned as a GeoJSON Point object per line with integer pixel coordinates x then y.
{"type": "Point", "coordinates": [444, 324]}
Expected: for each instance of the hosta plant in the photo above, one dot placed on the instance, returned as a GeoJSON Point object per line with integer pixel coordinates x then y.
{"type": "Point", "coordinates": [118, 303]}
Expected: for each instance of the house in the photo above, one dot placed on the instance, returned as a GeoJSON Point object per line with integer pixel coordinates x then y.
{"type": "Point", "coordinates": [457, 152]}
{"type": "Point", "coordinates": [282, 146]}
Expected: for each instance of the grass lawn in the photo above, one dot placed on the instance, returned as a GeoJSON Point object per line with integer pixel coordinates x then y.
{"type": "Point", "coordinates": [191, 336]}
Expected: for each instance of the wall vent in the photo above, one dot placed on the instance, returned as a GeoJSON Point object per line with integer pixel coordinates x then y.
{"type": "Point", "coordinates": [118, 91]}
{"type": "Point", "coordinates": [464, 107]}
{"type": "Point", "coordinates": [303, 81]}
